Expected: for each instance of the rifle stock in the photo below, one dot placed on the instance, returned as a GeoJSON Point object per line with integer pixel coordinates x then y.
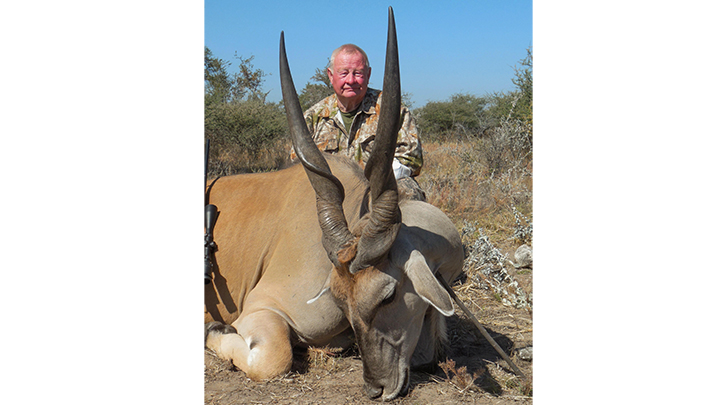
{"type": "Point", "coordinates": [211, 214]}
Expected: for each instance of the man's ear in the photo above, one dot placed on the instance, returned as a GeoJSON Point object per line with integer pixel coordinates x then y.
{"type": "Point", "coordinates": [330, 74]}
{"type": "Point", "coordinates": [369, 70]}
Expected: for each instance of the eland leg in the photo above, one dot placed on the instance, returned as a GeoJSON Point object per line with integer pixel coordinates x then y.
{"type": "Point", "coordinates": [258, 344]}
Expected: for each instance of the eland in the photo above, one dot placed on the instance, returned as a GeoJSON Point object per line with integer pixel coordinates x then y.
{"type": "Point", "coordinates": [324, 253]}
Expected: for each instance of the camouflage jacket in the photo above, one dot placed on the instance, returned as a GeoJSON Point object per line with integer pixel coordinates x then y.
{"type": "Point", "coordinates": [328, 131]}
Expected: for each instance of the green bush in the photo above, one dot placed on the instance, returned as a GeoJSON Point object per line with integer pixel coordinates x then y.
{"type": "Point", "coordinates": [459, 117]}
{"type": "Point", "coordinates": [251, 124]}
{"type": "Point", "coordinates": [250, 127]}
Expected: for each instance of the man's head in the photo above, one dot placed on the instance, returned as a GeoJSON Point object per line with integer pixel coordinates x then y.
{"type": "Point", "coordinates": [349, 74]}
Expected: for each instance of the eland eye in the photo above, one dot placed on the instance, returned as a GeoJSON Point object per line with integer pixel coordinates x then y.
{"type": "Point", "coordinates": [390, 298]}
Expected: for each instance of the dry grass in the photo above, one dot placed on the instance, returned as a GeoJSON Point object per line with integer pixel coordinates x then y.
{"type": "Point", "coordinates": [323, 358]}
{"type": "Point", "coordinates": [459, 377]}
{"type": "Point", "coordinates": [458, 178]}
{"type": "Point", "coordinates": [485, 186]}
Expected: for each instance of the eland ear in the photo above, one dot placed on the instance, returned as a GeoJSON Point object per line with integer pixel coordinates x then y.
{"type": "Point", "coordinates": [426, 285]}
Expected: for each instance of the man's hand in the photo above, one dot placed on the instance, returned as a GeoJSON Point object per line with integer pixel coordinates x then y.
{"type": "Point", "coordinates": [400, 170]}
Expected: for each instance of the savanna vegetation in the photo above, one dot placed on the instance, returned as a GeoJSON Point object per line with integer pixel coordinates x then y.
{"type": "Point", "coordinates": [478, 153]}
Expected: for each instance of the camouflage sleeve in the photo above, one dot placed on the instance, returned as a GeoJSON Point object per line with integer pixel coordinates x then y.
{"type": "Point", "coordinates": [409, 149]}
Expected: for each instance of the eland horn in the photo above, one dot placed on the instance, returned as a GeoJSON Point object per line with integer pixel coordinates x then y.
{"type": "Point", "coordinates": [328, 189]}
{"type": "Point", "coordinates": [384, 224]}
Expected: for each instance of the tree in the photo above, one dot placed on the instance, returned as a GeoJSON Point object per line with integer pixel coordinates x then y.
{"type": "Point", "coordinates": [406, 100]}
{"type": "Point", "coordinates": [217, 80]}
{"type": "Point", "coordinates": [316, 89]}
{"type": "Point", "coordinates": [238, 121]}
{"type": "Point", "coordinates": [524, 82]}
{"type": "Point", "coordinates": [515, 104]}
{"type": "Point", "coordinates": [247, 84]}
{"type": "Point", "coordinates": [222, 87]}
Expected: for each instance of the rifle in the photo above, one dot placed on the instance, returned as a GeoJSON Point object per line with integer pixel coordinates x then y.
{"type": "Point", "coordinates": [211, 213]}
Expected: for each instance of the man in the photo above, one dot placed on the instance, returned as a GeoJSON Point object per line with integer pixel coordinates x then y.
{"type": "Point", "coordinates": [346, 121]}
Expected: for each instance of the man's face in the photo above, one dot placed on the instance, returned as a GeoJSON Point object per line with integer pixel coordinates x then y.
{"type": "Point", "coordinates": [349, 79]}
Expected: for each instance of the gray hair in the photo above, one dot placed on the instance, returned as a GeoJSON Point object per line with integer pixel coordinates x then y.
{"type": "Point", "coordinates": [348, 48]}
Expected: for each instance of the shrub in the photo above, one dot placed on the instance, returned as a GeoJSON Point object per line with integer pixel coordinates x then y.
{"type": "Point", "coordinates": [460, 117]}
{"type": "Point", "coordinates": [251, 129]}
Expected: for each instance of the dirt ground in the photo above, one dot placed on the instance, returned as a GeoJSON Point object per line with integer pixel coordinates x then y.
{"type": "Point", "coordinates": [472, 372]}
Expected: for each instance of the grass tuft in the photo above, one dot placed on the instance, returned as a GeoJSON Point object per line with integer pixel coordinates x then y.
{"type": "Point", "coordinates": [459, 377]}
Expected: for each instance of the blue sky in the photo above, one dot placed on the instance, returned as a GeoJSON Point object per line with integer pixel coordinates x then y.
{"type": "Point", "coordinates": [445, 47]}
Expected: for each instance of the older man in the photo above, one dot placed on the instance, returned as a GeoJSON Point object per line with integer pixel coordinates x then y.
{"type": "Point", "coordinates": [346, 121]}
